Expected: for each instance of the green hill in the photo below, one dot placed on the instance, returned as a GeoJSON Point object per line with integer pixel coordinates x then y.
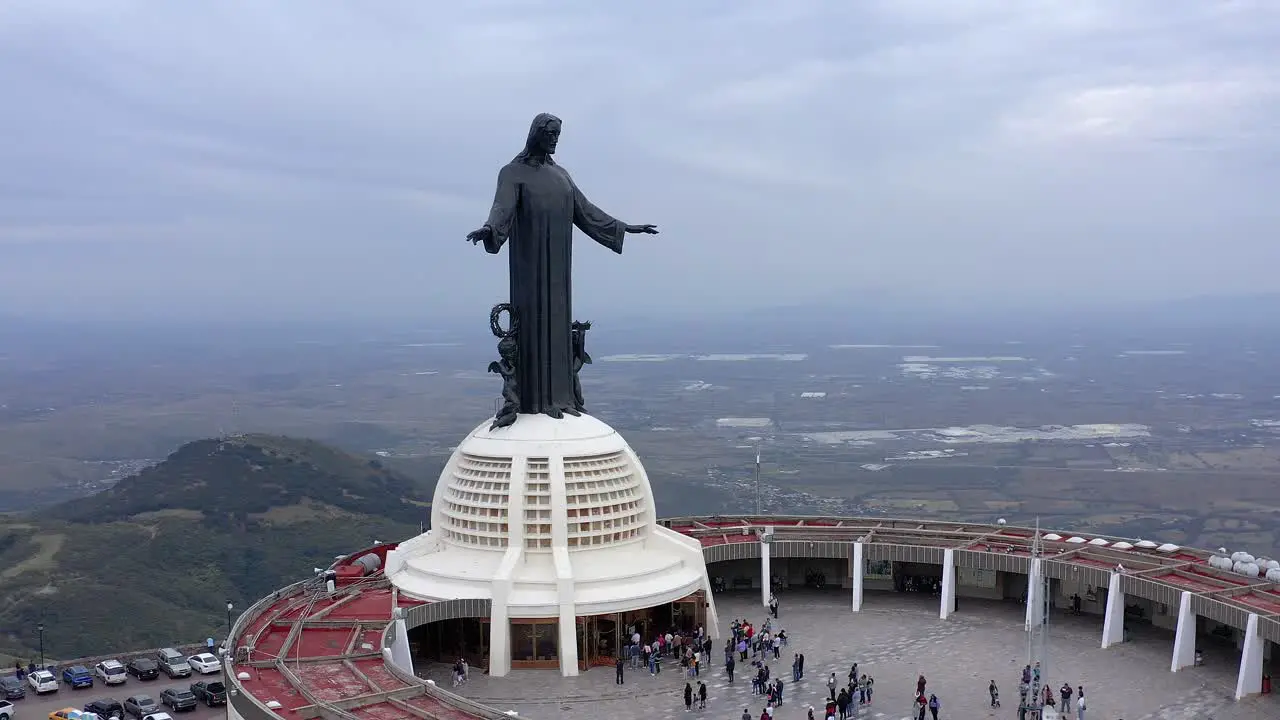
{"type": "Point", "coordinates": [153, 560]}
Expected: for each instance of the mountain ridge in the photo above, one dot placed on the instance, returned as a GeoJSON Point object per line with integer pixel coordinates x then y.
{"type": "Point", "coordinates": [152, 561]}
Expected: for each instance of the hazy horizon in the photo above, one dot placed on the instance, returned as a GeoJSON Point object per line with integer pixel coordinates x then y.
{"type": "Point", "coordinates": [275, 163]}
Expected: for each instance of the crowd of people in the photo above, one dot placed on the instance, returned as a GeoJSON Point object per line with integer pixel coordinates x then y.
{"type": "Point", "coordinates": [846, 698]}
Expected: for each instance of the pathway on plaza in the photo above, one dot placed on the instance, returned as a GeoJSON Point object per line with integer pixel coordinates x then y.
{"type": "Point", "coordinates": [894, 639]}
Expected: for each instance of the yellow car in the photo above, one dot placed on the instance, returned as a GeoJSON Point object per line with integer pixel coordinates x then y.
{"type": "Point", "coordinates": [66, 714]}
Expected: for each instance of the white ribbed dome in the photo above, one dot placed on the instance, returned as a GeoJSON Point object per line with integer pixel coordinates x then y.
{"type": "Point", "coordinates": [501, 485]}
{"type": "Point", "coordinates": [547, 518]}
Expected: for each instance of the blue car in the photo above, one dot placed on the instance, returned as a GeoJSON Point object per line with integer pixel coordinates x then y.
{"type": "Point", "coordinates": [77, 676]}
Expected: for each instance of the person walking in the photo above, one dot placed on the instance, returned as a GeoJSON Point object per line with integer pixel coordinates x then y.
{"type": "Point", "coordinates": [688, 697]}
{"type": "Point", "coordinates": [831, 686]}
{"type": "Point", "coordinates": [618, 670]}
{"type": "Point", "coordinates": [702, 696]}
{"type": "Point", "coordinates": [1080, 705]}
{"type": "Point", "coordinates": [934, 706]}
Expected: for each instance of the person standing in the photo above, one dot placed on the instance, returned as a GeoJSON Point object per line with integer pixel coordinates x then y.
{"type": "Point", "coordinates": [831, 686]}
{"type": "Point", "coordinates": [1080, 705]}
{"type": "Point", "coordinates": [688, 697]}
{"type": "Point", "coordinates": [729, 664]}
{"type": "Point", "coordinates": [618, 668]}
{"type": "Point", "coordinates": [702, 696]}
{"type": "Point", "coordinates": [934, 706]}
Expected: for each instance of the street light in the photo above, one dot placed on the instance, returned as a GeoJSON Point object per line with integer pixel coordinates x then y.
{"type": "Point", "coordinates": [40, 628]}
{"type": "Point", "coordinates": [229, 608]}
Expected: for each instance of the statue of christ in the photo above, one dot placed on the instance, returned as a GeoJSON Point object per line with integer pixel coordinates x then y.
{"type": "Point", "coordinates": [535, 209]}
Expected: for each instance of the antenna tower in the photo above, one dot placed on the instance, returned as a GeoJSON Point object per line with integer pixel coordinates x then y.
{"type": "Point", "coordinates": [1038, 633]}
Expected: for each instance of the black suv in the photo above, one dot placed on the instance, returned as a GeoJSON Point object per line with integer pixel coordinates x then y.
{"type": "Point", "coordinates": [106, 708]}
{"type": "Point", "coordinates": [178, 699]}
{"type": "Point", "coordinates": [143, 668]}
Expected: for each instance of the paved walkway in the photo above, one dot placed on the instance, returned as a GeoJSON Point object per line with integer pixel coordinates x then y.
{"type": "Point", "coordinates": [894, 639]}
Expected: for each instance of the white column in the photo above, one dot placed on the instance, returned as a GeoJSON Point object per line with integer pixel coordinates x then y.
{"type": "Point", "coordinates": [1184, 641]}
{"type": "Point", "coordinates": [859, 565]}
{"type": "Point", "coordinates": [400, 654]}
{"type": "Point", "coordinates": [948, 584]}
{"type": "Point", "coordinates": [568, 639]}
{"type": "Point", "coordinates": [765, 585]}
{"type": "Point", "coordinates": [1035, 591]}
{"type": "Point", "coordinates": [499, 615]}
{"type": "Point", "coordinates": [564, 569]}
{"type": "Point", "coordinates": [1113, 621]}
{"type": "Point", "coordinates": [1249, 681]}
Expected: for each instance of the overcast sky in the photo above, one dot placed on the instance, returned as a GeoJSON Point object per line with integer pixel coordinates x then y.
{"type": "Point", "coordinates": [321, 157]}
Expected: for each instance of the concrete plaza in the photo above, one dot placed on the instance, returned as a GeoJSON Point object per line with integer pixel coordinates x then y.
{"type": "Point", "coordinates": [895, 638]}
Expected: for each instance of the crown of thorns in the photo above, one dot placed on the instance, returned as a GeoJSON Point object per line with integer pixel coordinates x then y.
{"type": "Point", "coordinates": [495, 321]}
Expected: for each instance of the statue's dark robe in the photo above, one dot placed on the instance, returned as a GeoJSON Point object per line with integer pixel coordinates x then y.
{"type": "Point", "coordinates": [535, 210]}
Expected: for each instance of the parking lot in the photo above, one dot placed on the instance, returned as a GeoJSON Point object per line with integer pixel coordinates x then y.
{"type": "Point", "coordinates": [38, 707]}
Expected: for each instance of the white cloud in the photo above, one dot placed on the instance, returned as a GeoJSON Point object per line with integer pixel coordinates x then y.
{"type": "Point", "coordinates": [817, 149]}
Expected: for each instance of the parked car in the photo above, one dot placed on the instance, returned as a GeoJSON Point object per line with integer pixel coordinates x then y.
{"type": "Point", "coordinates": [158, 716]}
{"type": "Point", "coordinates": [110, 672]}
{"type": "Point", "coordinates": [143, 668]}
{"type": "Point", "coordinates": [212, 694]}
{"type": "Point", "coordinates": [6, 710]}
{"type": "Point", "coordinates": [140, 705]}
{"type": "Point", "coordinates": [106, 708]}
{"type": "Point", "coordinates": [11, 688]}
{"type": "Point", "coordinates": [177, 699]}
{"type": "Point", "coordinates": [77, 676]}
{"type": "Point", "coordinates": [66, 714]}
{"type": "Point", "coordinates": [205, 663]}
{"type": "Point", "coordinates": [42, 681]}
{"type": "Point", "coordinates": [173, 663]}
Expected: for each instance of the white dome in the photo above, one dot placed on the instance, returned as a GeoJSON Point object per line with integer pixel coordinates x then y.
{"type": "Point", "coordinates": [1075, 539]}
{"type": "Point", "coordinates": [555, 517]}
{"type": "Point", "coordinates": [1098, 541]}
{"type": "Point", "coordinates": [1053, 537]}
{"type": "Point", "coordinates": [598, 479]}
{"type": "Point", "coordinates": [1122, 545]}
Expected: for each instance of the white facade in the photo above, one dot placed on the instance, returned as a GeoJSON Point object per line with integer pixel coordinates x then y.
{"type": "Point", "coordinates": [548, 519]}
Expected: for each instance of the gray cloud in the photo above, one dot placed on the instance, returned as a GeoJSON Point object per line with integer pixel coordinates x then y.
{"type": "Point", "coordinates": [240, 156]}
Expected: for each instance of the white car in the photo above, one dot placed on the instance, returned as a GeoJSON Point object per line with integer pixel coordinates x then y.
{"type": "Point", "coordinates": [205, 663]}
{"type": "Point", "coordinates": [42, 681]}
{"type": "Point", "coordinates": [110, 672]}
{"type": "Point", "coordinates": [158, 716]}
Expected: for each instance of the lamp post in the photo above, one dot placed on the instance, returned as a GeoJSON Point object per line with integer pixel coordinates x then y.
{"type": "Point", "coordinates": [230, 607]}
{"type": "Point", "coordinates": [40, 629]}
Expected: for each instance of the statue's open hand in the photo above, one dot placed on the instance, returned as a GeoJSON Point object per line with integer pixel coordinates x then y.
{"type": "Point", "coordinates": [482, 235]}
{"type": "Point", "coordinates": [645, 229]}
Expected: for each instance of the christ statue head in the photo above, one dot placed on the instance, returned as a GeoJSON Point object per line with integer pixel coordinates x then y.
{"type": "Point", "coordinates": [544, 135]}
